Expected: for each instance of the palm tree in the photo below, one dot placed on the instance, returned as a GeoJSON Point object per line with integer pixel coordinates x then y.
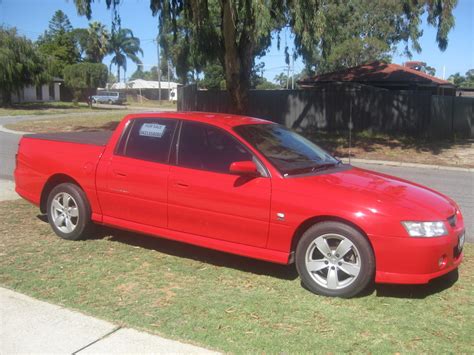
{"type": "Point", "coordinates": [122, 45]}
{"type": "Point", "coordinates": [98, 42]}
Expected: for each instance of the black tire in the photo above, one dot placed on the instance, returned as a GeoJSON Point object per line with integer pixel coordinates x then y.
{"type": "Point", "coordinates": [110, 102]}
{"type": "Point", "coordinates": [94, 101]}
{"type": "Point", "coordinates": [351, 272]}
{"type": "Point", "coordinates": [83, 225]}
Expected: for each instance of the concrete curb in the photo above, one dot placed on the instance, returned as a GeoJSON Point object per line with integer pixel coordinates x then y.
{"type": "Point", "coordinates": [33, 326]}
{"type": "Point", "coordinates": [6, 130]}
{"type": "Point", "coordinates": [407, 165]}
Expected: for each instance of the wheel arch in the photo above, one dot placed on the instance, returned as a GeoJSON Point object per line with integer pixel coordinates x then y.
{"type": "Point", "coordinates": [324, 218]}
{"type": "Point", "coordinates": [50, 184]}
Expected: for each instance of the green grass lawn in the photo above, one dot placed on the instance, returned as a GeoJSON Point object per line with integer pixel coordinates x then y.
{"type": "Point", "coordinates": [131, 102]}
{"type": "Point", "coordinates": [225, 302]}
{"type": "Point", "coordinates": [86, 122]}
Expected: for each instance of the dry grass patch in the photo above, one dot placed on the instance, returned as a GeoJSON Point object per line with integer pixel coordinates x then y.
{"type": "Point", "coordinates": [378, 146]}
{"type": "Point", "coordinates": [69, 123]}
{"type": "Point", "coordinates": [48, 108]}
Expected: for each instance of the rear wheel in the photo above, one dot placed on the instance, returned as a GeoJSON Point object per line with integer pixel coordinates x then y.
{"type": "Point", "coordinates": [69, 213]}
{"type": "Point", "coordinates": [334, 259]}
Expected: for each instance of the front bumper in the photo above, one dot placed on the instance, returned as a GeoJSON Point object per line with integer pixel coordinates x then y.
{"type": "Point", "coordinates": [408, 260]}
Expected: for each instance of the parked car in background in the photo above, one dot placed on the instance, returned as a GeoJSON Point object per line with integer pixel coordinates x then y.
{"type": "Point", "coordinates": [109, 97]}
{"type": "Point", "coordinates": [245, 186]}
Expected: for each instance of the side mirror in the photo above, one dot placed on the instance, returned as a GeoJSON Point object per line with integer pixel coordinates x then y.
{"type": "Point", "coordinates": [244, 168]}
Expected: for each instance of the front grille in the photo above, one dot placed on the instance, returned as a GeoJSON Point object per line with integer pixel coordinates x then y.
{"type": "Point", "coordinates": [453, 220]}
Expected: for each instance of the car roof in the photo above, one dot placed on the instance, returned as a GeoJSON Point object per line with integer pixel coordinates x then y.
{"type": "Point", "coordinates": [217, 119]}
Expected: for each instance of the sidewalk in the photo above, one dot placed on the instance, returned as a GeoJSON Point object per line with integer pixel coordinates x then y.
{"type": "Point", "coordinates": [31, 326]}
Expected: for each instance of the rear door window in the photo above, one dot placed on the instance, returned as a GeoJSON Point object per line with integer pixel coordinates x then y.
{"type": "Point", "coordinates": [148, 139]}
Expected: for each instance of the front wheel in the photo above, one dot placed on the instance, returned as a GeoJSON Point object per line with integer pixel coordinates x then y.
{"type": "Point", "coordinates": [69, 213]}
{"type": "Point", "coordinates": [334, 259]}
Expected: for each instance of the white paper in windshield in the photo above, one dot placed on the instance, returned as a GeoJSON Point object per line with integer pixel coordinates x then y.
{"type": "Point", "coordinates": [152, 130]}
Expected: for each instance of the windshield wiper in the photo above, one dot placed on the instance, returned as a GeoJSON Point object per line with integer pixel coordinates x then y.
{"type": "Point", "coordinates": [326, 166]}
{"type": "Point", "coordinates": [311, 169]}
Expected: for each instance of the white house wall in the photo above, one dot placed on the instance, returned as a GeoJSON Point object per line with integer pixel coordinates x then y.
{"type": "Point", "coordinates": [28, 94]}
{"type": "Point", "coordinates": [45, 92]}
{"type": "Point", "coordinates": [57, 92]}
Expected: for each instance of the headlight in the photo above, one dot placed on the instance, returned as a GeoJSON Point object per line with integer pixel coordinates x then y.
{"type": "Point", "coordinates": [425, 229]}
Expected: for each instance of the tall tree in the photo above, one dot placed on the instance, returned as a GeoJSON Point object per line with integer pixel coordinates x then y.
{"type": "Point", "coordinates": [81, 38]}
{"type": "Point", "coordinates": [356, 32]}
{"type": "Point", "coordinates": [122, 45]}
{"type": "Point", "coordinates": [21, 64]}
{"type": "Point", "coordinates": [466, 81]}
{"type": "Point", "coordinates": [214, 78]}
{"type": "Point", "coordinates": [282, 80]}
{"type": "Point", "coordinates": [59, 24]}
{"type": "Point", "coordinates": [84, 78]}
{"type": "Point", "coordinates": [58, 44]}
{"type": "Point", "coordinates": [97, 45]}
{"type": "Point", "coordinates": [235, 32]}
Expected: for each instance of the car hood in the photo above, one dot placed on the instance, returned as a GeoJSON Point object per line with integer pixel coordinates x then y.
{"type": "Point", "coordinates": [379, 193]}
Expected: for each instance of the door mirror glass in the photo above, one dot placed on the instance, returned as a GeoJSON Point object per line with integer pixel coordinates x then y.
{"type": "Point", "coordinates": [245, 168]}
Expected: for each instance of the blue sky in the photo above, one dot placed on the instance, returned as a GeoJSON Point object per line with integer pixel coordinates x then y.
{"type": "Point", "coordinates": [31, 17]}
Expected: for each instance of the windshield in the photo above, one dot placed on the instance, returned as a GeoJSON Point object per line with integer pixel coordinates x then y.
{"type": "Point", "coordinates": [289, 152]}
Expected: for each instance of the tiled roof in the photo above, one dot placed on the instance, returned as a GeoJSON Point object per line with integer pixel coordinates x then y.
{"type": "Point", "coordinates": [378, 72]}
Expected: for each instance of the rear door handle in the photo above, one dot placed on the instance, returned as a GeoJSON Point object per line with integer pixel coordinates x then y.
{"type": "Point", "coordinates": [119, 173]}
{"type": "Point", "coordinates": [181, 184]}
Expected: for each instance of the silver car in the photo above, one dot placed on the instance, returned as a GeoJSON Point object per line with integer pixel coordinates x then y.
{"type": "Point", "coordinates": [109, 97]}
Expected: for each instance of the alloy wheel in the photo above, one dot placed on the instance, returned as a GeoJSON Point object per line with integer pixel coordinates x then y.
{"type": "Point", "coordinates": [333, 261]}
{"type": "Point", "coordinates": [64, 212]}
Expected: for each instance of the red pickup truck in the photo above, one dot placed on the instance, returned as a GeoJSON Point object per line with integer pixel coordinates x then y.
{"type": "Point", "coordinates": [246, 186]}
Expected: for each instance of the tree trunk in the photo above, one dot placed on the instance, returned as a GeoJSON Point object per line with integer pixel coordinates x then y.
{"type": "Point", "coordinates": [118, 73]}
{"type": "Point", "coordinates": [237, 60]}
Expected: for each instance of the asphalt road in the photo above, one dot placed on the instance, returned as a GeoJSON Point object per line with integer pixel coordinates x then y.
{"type": "Point", "coordinates": [8, 148]}
{"type": "Point", "coordinates": [457, 184]}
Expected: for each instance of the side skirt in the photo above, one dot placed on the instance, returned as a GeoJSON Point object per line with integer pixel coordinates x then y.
{"type": "Point", "coordinates": [216, 244]}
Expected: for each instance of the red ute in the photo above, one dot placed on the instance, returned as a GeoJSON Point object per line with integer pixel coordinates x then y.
{"type": "Point", "coordinates": [245, 186]}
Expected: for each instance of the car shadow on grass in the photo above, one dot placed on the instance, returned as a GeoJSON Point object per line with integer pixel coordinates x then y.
{"type": "Point", "coordinates": [418, 291]}
{"type": "Point", "coordinates": [259, 267]}
{"type": "Point", "coordinates": [205, 255]}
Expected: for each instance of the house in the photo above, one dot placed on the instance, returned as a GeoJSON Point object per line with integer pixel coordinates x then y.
{"type": "Point", "coordinates": [148, 89]}
{"type": "Point", "coordinates": [39, 93]}
{"type": "Point", "coordinates": [384, 75]}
